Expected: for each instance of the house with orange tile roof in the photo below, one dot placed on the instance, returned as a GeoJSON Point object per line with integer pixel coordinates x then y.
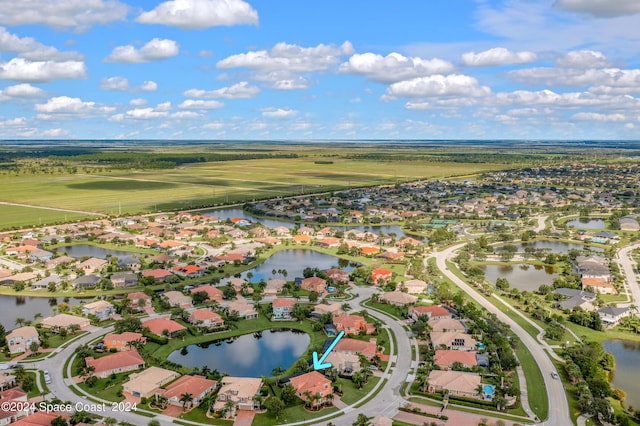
{"type": "Point", "coordinates": [329, 242]}
{"type": "Point", "coordinates": [206, 318]}
{"type": "Point", "coordinates": [145, 383]}
{"type": "Point", "coordinates": [369, 251]}
{"type": "Point", "coordinates": [241, 390]}
{"type": "Point", "coordinates": [40, 418]}
{"type": "Point", "coordinates": [458, 383]}
{"type": "Point", "coordinates": [391, 255]}
{"type": "Point", "coordinates": [445, 358]}
{"type": "Point", "coordinates": [199, 387]}
{"type": "Point", "coordinates": [214, 294]}
{"type": "Point", "coordinates": [302, 239]}
{"type": "Point", "coordinates": [190, 271]}
{"type": "Point", "coordinates": [282, 308]}
{"type": "Point", "coordinates": [316, 284]}
{"type": "Point", "coordinates": [158, 326]}
{"type": "Point", "coordinates": [158, 275]}
{"type": "Point", "coordinates": [381, 276]}
{"type": "Point", "coordinates": [353, 324]}
{"type": "Point", "coordinates": [355, 347]}
{"type": "Point", "coordinates": [119, 362]}
{"type": "Point", "coordinates": [136, 297]}
{"type": "Point", "coordinates": [21, 338]}
{"type": "Point", "coordinates": [431, 312]}
{"type": "Point", "coordinates": [312, 384]}
{"type": "Point", "coordinates": [172, 245]}
{"type": "Point", "coordinates": [408, 241]}
{"type": "Point", "coordinates": [231, 258]}
{"type": "Point", "coordinates": [598, 285]}
{"type": "Point", "coordinates": [337, 275]}
{"type": "Point", "coordinates": [123, 341]}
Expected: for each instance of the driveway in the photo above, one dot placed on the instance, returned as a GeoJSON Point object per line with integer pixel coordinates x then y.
{"type": "Point", "coordinates": [244, 418]}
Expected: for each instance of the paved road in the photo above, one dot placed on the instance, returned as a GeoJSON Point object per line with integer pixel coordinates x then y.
{"type": "Point", "coordinates": [628, 268]}
{"type": "Point", "coordinates": [558, 405]}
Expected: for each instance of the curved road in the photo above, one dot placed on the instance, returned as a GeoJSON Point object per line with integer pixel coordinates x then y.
{"type": "Point", "coordinates": [558, 404]}
{"type": "Point", "coordinates": [627, 264]}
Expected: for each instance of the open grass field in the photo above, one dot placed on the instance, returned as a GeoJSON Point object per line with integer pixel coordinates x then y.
{"type": "Point", "coordinates": [15, 216]}
{"type": "Point", "coordinates": [131, 191]}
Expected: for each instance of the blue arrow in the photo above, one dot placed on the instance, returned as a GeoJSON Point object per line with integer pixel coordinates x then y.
{"type": "Point", "coordinates": [319, 364]}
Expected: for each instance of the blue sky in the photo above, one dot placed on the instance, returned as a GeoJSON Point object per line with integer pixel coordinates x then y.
{"type": "Point", "coordinates": [264, 69]}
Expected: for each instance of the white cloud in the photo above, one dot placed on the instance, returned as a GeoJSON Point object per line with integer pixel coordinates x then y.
{"type": "Point", "coordinates": [77, 15]}
{"type": "Point", "coordinates": [594, 116]}
{"type": "Point", "coordinates": [145, 113]}
{"type": "Point", "coordinates": [199, 14]}
{"type": "Point", "coordinates": [625, 80]}
{"type": "Point", "coordinates": [497, 56]}
{"type": "Point", "coordinates": [40, 71]}
{"type": "Point", "coordinates": [149, 86]}
{"type": "Point", "coordinates": [393, 67]}
{"type": "Point", "coordinates": [289, 57]}
{"type": "Point", "coordinates": [185, 114]}
{"type": "Point", "coordinates": [29, 48]}
{"type": "Point", "coordinates": [242, 90]}
{"type": "Point", "coordinates": [438, 85]}
{"type": "Point", "coordinates": [164, 106]}
{"type": "Point", "coordinates": [583, 59]}
{"type": "Point", "coordinates": [200, 104]}
{"type": "Point", "coordinates": [138, 102]}
{"type": "Point", "coordinates": [563, 100]}
{"type": "Point", "coordinates": [600, 8]}
{"type": "Point", "coordinates": [297, 83]}
{"type": "Point", "coordinates": [67, 106]}
{"type": "Point", "coordinates": [115, 83]}
{"type": "Point", "coordinates": [23, 90]}
{"type": "Point", "coordinates": [279, 113]}
{"type": "Point", "coordinates": [214, 125]}
{"type": "Point", "coordinates": [155, 50]}
{"type": "Point", "coordinates": [12, 122]}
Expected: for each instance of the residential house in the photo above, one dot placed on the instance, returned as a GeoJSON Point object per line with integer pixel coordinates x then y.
{"type": "Point", "coordinates": [329, 242]}
{"type": "Point", "coordinates": [302, 239]}
{"type": "Point", "coordinates": [343, 362]}
{"type": "Point", "coordinates": [338, 276]}
{"type": "Point", "coordinates": [355, 347]}
{"type": "Point", "coordinates": [431, 312]}
{"type": "Point", "coordinates": [447, 324]}
{"type": "Point", "coordinates": [243, 309]}
{"type": "Point", "coordinates": [61, 321]}
{"type": "Point", "coordinates": [452, 340]}
{"type": "Point", "coordinates": [316, 284]}
{"type": "Point", "coordinates": [21, 338]}
{"type": "Point", "coordinates": [39, 418]}
{"type": "Point", "coordinates": [119, 362]}
{"type": "Point", "coordinates": [139, 300]}
{"type": "Point", "coordinates": [163, 326]}
{"type": "Point", "coordinates": [380, 276]}
{"type": "Point", "coordinates": [353, 324]}
{"type": "Point", "coordinates": [335, 309]}
{"type": "Point", "coordinates": [611, 315]}
{"type": "Point", "coordinates": [92, 265]}
{"type": "Point", "coordinates": [282, 308]}
{"type": "Point", "coordinates": [145, 383]}
{"type": "Point", "coordinates": [308, 386]}
{"type": "Point", "coordinates": [214, 294]}
{"type": "Point", "coordinates": [86, 281]}
{"type": "Point", "coordinates": [199, 387]}
{"type": "Point", "coordinates": [44, 283]}
{"type": "Point", "coordinates": [124, 279]}
{"type": "Point", "coordinates": [445, 359]}
{"type": "Point", "coordinates": [398, 298]}
{"type": "Point", "coordinates": [129, 262]}
{"type": "Point", "coordinates": [158, 275]}
{"type": "Point", "coordinates": [457, 383]}
{"type": "Point", "coordinates": [101, 309]}
{"type": "Point", "coordinates": [598, 285]}
{"type": "Point", "coordinates": [206, 318]}
{"type": "Point", "coordinates": [274, 286]}
{"type": "Point", "coordinates": [123, 341]}
{"type": "Point", "coordinates": [176, 298]}
{"type": "Point", "coordinates": [241, 391]}
{"type": "Point", "coordinates": [593, 267]}
{"type": "Point", "coordinates": [189, 271]}
{"type": "Point", "coordinates": [415, 286]}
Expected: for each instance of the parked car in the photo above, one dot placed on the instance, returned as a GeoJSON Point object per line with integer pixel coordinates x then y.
{"type": "Point", "coordinates": [372, 367]}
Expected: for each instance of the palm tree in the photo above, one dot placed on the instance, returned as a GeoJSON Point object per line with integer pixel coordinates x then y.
{"type": "Point", "coordinates": [227, 410]}
{"type": "Point", "coordinates": [185, 398]}
{"type": "Point", "coordinates": [20, 321]}
{"type": "Point", "coordinates": [307, 397]}
{"type": "Point", "coordinates": [37, 316]}
{"type": "Point", "coordinates": [259, 399]}
{"type": "Point", "coordinates": [329, 398]}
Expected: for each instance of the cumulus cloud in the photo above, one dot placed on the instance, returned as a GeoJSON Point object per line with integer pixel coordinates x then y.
{"type": "Point", "coordinates": [62, 106]}
{"type": "Point", "coordinates": [29, 48]}
{"type": "Point", "coordinates": [200, 104]}
{"type": "Point", "coordinates": [600, 8]}
{"type": "Point", "coordinates": [595, 116]}
{"type": "Point", "coordinates": [138, 102]}
{"type": "Point", "coordinates": [393, 67]}
{"type": "Point", "coordinates": [21, 69]}
{"type": "Point", "coordinates": [155, 50]}
{"type": "Point", "coordinates": [297, 83]}
{"type": "Point", "coordinates": [497, 56]}
{"type": "Point", "coordinates": [289, 57]}
{"type": "Point", "coordinates": [75, 15]}
{"type": "Point", "coordinates": [279, 113]}
{"type": "Point", "coordinates": [199, 14]}
{"type": "Point", "coordinates": [242, 90]}
{"type": "Point", "coordinates": [23, 90]}
{"type": "Point", "coordinates": [114, 83]}
{"type": "Point", "coordinates": [617, 80]}
{"type": "Point", "coordinates": [149, 86]}
{"type": "Point", "coordinates": [563, 100]}
{"type": "Point", "coordinates": [438, 85]}
{"type": "Point", "coordinates": [145, 113]}
{"type": "Point", "coordinates": [583, 59]}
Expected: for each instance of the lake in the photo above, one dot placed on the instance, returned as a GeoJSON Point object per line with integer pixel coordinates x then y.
{"type": "Point", "coordinates": [250, 355]}
{"type": "Point", "coordinates": [294, 261]}
{"type": "Point", "coordinates": [80, 250]}
{"type": "Point", "coordinates": [13, 307]}
{"type": "Point", "coordinates": [522, 277]}
{"type": "Point", "coordinates": [626, 375]}
{"type": "Point", "coordinates": [587, 223]}
{"type": "Point", "coordinates": [552, 246]}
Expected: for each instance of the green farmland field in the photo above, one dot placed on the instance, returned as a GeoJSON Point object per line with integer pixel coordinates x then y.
{"type": "Point", "coordinates": [15, 216]}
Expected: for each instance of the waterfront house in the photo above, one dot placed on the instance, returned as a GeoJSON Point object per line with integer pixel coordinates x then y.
{"type": "Point", "coordinates": [316, 284]}
{"type": "Point", "coordinates": [337, 275]}
{"type": "Point", "coordinates": [61, 321]}
{"type": "Point", "coordinates": [611, 315]}
{"type": "Point", "coordinates": [91, 265]}
{"type": "Point", "coordinates": [119, 362]}
{"type": "Point", "coordinates": [197, 386]}
{"type": "Point", "coordinates": [241, 391]}
{"type": "Point", "coordinates": [310, 385]}
{"type": "Point", "coordinates": [206, 318]}
{"type": "Point", "coordinates": [86, 281]}
{"type": "Point", "coordinates": [213, 294]}
{"type": "Point", "coordinates": [101, 309]}
{"type": "Point", "coordinates": [163, 326]}
{"type": "Point", "coordinates": [274, 286]}
{"type": "Point", "coordinates": [124, 279]}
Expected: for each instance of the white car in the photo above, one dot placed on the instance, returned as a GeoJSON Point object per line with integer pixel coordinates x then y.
{"type": "Point", "coordinates": [47, 377]}
{"type": "Point", "coordinates": [555, 375]}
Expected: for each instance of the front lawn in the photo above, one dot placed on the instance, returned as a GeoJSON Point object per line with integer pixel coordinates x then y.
{"type": "Point", "coordinates": [108, 388]}
{"type": "Point", "coordinates": [350, 392]}
{"type": "Point", "coordinates": [292, 414]}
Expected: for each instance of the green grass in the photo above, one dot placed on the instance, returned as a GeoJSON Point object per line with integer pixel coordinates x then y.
{"type": "Point", "coordinates": [292, 414]}
{"type": "Point", "coordinates": [351, 394]}
{"type": "Point", "coordinates": [18, 216]}
{"type": "Point", "coordinates": [538, 399]}
{"type": "Point", "coordinates": [497, 414]}
{"type": "Point", "coordinates": [107, 388]}
{"type": "Point", "coordinates": [390, 310]}
{"type": "Point", "coordinates": [199, 414]}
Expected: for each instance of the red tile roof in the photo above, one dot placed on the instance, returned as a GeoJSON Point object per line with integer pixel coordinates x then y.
{"type": "Point", "coordinates": [195, 385]}
{"type": "Point", "coordinates": [158, 325]}
{"type": "Point", "coordinates": [313, 382]}
{"type": "Point", "coordinates": [116, 360]}
{"type": "Point", "coordinates": [282, 303]}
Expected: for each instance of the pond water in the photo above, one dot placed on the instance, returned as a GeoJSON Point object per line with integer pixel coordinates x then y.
{"type": "Point", "coordinates": [81, 250]}
{"type": "Point", "coordinates": [250, 355]}
{"type": "Point", "coordinates": [627, 374]}
{"type": "Point", "coordinates": [13, 307]}
{"type": "Point", "coordinates": [294, 261]}
{"type": "Point", "coordinates": [274, 223]}
{"type": "Point", "coordinates": [553, 246]}
{"type": "Point", "coordinates": [587, 223]}
{"type": "Point", "coordinates": [522, 277]}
